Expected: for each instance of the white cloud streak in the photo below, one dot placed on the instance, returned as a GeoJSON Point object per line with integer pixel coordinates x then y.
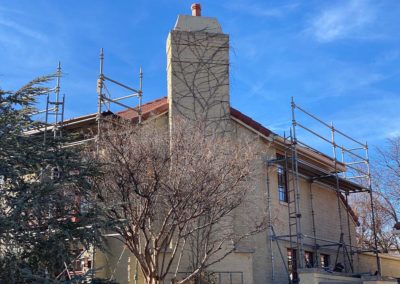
{"type": "Point", "coordinates": [343, 21]}
{"type": "Point", "coordinates": [22, 30]}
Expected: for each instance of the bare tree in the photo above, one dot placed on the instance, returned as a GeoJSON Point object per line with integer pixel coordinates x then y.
{"type": "Point", "coordinates": [386, 184]}
{"type": "Point", "coordinates": [167, 190]}
{"type": "Point", "coordinates": [388, 177]}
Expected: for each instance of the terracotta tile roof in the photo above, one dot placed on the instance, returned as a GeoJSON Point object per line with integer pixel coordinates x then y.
{"type": "Point", "coordinates": [250, 122]}
{"type": "Point", "coordinates": [350, 210]}
{"type": "Point", "coordinates": [149, 109]}
{"type": "Point", "coordinates": [159, 106]}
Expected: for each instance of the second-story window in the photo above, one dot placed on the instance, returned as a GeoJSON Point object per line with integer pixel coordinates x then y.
{"type": "Point", "coordinates": [282, 184]}
{"type": "Point", "coordinates": [324, 260]}
{"type": "Point", "coordinates": [308, 259]}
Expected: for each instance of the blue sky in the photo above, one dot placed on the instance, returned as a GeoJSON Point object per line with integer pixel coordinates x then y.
{"type": "Point", "coordinates": [339, 59]}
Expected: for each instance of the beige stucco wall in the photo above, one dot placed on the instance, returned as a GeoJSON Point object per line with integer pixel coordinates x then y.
{"type": "Point", "coordinates": [117, 264]}
{"type": "Point", "coordinates": [315, 276]}
{"type": "Point", "coordinates": [390, 265]}
{"type": "Point", "coordinates": [198, 77]}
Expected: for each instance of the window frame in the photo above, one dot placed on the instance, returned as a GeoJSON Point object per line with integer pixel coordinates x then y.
{"type": "Point", "coordinates": [308, 259]}
{"type": "Point", "coordinates": [292, 264]}
{"type": "Point", "coordinates": [282, 184]}
{"type": "Point", "coordinates": [324, 260]}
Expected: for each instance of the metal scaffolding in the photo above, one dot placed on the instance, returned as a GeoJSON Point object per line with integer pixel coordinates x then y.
{"type": "Point", "coordinates": [84, 263]}
{"type": "Point", "coordinates": [106, 106]}
{"type": "Point", "coordinates": [54, 109]}
{"type": "Point", "coordinates": [350, 175]}
{"type": "Point", "coordinates": [104, 98]}
{"type": "Point", "coordinates": [104, 103]}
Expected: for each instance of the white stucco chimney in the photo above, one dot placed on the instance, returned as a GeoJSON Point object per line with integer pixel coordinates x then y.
{"type": "Point", "coordinates": [198, 70]}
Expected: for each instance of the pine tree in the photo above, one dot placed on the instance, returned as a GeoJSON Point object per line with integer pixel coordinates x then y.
{"type": "Point", "coordinates": [42, 189]}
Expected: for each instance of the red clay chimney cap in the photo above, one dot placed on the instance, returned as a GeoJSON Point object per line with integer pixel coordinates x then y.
{"type": "Point", "coordinates": [196, 9]}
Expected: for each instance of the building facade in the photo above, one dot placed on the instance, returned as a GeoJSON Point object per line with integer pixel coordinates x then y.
{"type": "Point", "coordinates": [311, 227]}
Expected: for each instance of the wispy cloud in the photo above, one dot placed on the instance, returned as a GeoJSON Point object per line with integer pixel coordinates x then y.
{"type": "Point", "coordinates": [343, 21]}
{"type": "Point", "coordinates": [354, 79]}
{"type": "Point", "coordinates": [8, 10]}
{"type": "Point", "coordinates": [25, 31]}
{"type": "Point", "coordinates": [372, 120]}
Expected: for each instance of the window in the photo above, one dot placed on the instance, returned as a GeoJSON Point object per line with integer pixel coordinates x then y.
{"type": "Point", "coordinates": [324, 260]}
{"type": "Point", "coordinates": [308, 262]}
{"type": "Point", "coordinates": [308, 259]}
{"type": "Point", "coordinates": [282, 184]}
{"type": "Point", "coordinates": [292, 265]}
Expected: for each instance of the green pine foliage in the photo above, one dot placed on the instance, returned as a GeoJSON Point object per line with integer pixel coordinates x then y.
{"type": "Point", "coordinates": [46, 213]}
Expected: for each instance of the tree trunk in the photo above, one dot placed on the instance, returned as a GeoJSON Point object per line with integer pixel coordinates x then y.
{"type": "Point", "coordinates": [151, 280]}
